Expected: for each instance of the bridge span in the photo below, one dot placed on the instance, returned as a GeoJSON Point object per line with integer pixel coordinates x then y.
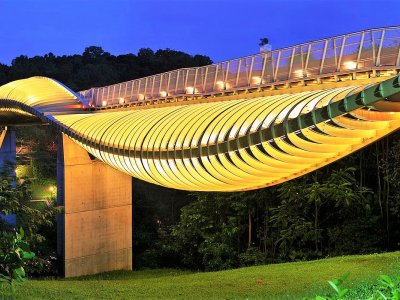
{"type": "Point", "coordinates": [238, 125]}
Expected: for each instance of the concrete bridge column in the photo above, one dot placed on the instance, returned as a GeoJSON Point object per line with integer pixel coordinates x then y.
{"type": "Point", "coordinates": [95, 229]}
{"type": "Point", "coordinates": [8, 161]}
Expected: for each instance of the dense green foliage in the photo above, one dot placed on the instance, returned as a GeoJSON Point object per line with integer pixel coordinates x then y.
{"type": "Point", "coordinates": [279, 281]}
{"type": "Point", "coordinates": [39, 224]}
{"type": "Point", "coordinates": [14, 252]}
{"type": "Point", "coordinates": [349, 207]}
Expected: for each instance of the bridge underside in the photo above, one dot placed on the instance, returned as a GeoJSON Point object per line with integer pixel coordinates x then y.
{"type": "Point", "coordinates": [242, 144]}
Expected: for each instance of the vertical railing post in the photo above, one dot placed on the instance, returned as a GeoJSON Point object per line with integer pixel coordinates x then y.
{"type": "Point", "coordinates": [251, 71]}
{"type": "Point", "coordinates": [227, 72]}
{"type": "Point", "coordinates": [205, 79]}
{"type": "Point", "coordinates": [307, 58]}
{"type": "Point", "coordinates": [186, 78]}
{"type": "Point", "coordinates": [238, 72]}
{"type": "Point", "coordinates": [291, 62]}
{"type": "Point", "coordinates": [334, 51]}
{"type": "Point", "coordinates": [398, 57]}
{"type": "Point", "coordinates": [373, 47]}
{"type": "Point", "coordinates": [137, 82]}
{"type": "Point", "coordinates": [138, 89]}
{"type": "Point", "coordinates": [215, 77]}
{"type": "Point", "coordinates": [113, 93]}
{"type": "Point", "coordinates": [119, 90]}
{"type": "Point", "coordinates": [145, 88]}
{"type": "Point", "coordinates": [341, 54]}
{"type": "Point", "coordinates": [102, 96]}
{"type": "Point", "coordinates": [195, 80]}
{"type": "Point", "coordinates": [277, 64]}
{"type": "Point", "coordinates": [160, 85]}
{"type": "Point", "coordinates": [360, 49]}
{"type": "Point", "coordinates": [177, 80]}
{"type": "Point", "coordinates": [126, 88]}
{"type": "Point", "coordinates": [168, 82]}
{"type": "Point", "coordinates": [378, 55]}
{"type": "Point", "coordinates": [321, 68]}
{"type": "Point", "coordinates": [265, 57]}
{"type": "Point", "coordinates": [152, 86]}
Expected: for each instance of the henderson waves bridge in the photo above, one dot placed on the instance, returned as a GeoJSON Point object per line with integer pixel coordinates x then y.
{"type": "Point", "coordinates": [238, 125]}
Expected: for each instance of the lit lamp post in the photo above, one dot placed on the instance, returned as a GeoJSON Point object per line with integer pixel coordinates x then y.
{"type": "Point", "coordinates": [51, 190]}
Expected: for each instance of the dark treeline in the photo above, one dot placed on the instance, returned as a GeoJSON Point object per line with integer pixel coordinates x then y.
{"type": "Point", "coordinates": [95, 67]}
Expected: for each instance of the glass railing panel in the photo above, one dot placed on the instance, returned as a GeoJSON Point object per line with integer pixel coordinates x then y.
{"type": "Point", "coordinates": [256, 72]}
{"type": "Point", "coordinates": [210, 78]}
{"type": "Point", "coordinates": [163, 85]}
{"type": "Point", "coordinates": [232, 75]}
{"type": "Point", "coordinates": [284, 65]}
{"type": "Point", "coordinates": [349, 59]}
{"type": "Point", "coordinates": [313, 59]}
{"type": "Point", "coordinates": [244, 72]}
{"type": "Point", "coordinates": [180, 82]}
{"type": "Point", "coordinates": [367, 56]}
{"type": "Point", "coordinates": [298, 62]}
{"type": "Point", "coordinates": [190, 78]}
{"type": "Point", "coordinates": [269, 68]}
{"type": "Point", "coordinates": [390, 47]}
{"type": "Point", "coordinates": [172, 83]}
{"type": "Point", "coordinates": [331, 58]}
{"type": "Point", "coordinates": [155, 87]}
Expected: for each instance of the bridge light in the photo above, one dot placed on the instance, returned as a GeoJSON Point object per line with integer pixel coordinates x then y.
{"type": "Point", "coordinates": [350, 65]}
{"type": "Point", "coordinates": [300, 73]}
{"type": "Point", "coordinates": [121, 100]}
{"type": "Point", "coordinates": [140, 97]}
{"type": "Point", "coordinates": [191, 90]}
{"type": "Point", "coordinates": [163, 94]}
{"type": "Point", "coordinates": [255, 80]}
{"type": "Point", "coordinates": [222, 85]}
{"type": "Point", "coordinates": [104, 103]}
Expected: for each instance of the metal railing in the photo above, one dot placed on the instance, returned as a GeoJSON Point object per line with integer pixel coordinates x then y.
{"type": "Point", "coordinates": [364, 50]}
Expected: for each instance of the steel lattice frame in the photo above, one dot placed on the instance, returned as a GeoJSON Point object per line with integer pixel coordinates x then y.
{"type": "Point", "coordinates": [222, 146]}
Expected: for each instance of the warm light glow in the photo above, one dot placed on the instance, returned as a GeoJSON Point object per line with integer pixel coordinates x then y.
{"type": "Point", "coordinates": [191, 90]}
{"type": "Point", "coordinates": [300, 73]}
{"type": "Point", "coordinates": [255, 80]}
{"type": "Point", "coordinates": [140, 97]}
{"type": "Point", "coordinates": [163, 94]}
{"type": "Point", "coordinates": [51, 189]}
{"type": "Point", "coordinates": [349, 65]}
{"type": "Point", "coordinates": [121, 100]}
{"type": "Point", "coordinates": [104, 103]}
{"type": "Point", "coordinates": [220, 85]}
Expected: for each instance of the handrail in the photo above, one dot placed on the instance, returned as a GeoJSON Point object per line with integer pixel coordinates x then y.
{"type": "Point", "coordinates": [362, 50]}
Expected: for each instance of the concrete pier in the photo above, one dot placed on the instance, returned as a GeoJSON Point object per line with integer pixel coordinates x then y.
{"type": "Point", "coordinates": [7, 153]}
{"type": "Point", "coordinates": [95, 230]}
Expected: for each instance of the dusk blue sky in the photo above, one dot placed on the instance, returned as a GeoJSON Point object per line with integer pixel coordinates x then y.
{"type": "Point", "coordinates": [221, 29]}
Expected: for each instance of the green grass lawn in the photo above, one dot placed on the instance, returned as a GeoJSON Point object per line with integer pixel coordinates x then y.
{"type": "Point", "coordinates": [285, 281]}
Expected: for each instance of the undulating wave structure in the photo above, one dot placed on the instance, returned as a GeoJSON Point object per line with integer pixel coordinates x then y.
{"type": "Point", "coordinates": [231, 145]}
{"type": "Point", "coordinates": [237, 125]}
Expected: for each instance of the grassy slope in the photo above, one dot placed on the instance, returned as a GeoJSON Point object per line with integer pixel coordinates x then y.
{"type": "Point", "coordinates": [287, 281]}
